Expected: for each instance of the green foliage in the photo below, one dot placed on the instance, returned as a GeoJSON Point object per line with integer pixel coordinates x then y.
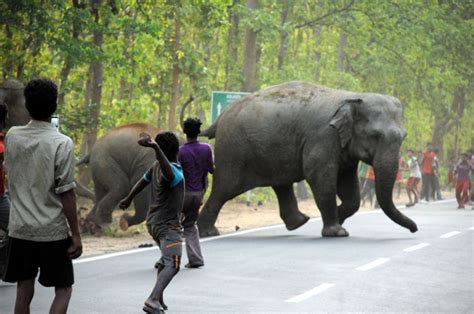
{"type": "Point", "coordinates": [420, 52]}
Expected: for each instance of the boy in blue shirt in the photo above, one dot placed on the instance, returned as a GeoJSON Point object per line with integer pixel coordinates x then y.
{"type": "Point", "coordinates": [163, 218]}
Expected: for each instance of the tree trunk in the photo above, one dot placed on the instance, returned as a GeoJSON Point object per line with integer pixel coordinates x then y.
{"type": "Point", "coordinates": [175, 74]}
{"type": "Point", "coordinates": [85, 175]}
{"type": "Point", "coordinates": [95, 90]}
{"type": "Point", "coordinates": [232, 48]}
{"type": "Point", "coordinates": [97, 80]}
{"type": "Point", "coordinates": [67, 66]}
{"type": "Point", "coordinates": [250, 55]}
{"type": "Point", "coordinates": [317, 54]}
{"type": "Point", "coordinates": [8, 64]}
{"type": "Point", "coordinates": [444, 124]}
{"type": "Point", "coordinates": [340, 53]}
{"type": "Point", "coordinates": [283, 35]}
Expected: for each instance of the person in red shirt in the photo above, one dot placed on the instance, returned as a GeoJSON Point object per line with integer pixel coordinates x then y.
{"type": "Point", "coordinates": [427, 172]}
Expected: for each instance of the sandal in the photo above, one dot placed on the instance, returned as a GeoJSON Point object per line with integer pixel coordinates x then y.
{"type": "Point", "coordinates": [153, 310]}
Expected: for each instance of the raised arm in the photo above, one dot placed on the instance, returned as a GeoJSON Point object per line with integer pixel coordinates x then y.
{"type": "Point", "coordinates": [146, 141]}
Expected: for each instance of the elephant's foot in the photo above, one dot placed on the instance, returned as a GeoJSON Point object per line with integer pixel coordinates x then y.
{"type": "Point", "coordinates": [296, 221]}
{"type": "Point", "coordinates": [208, 231]}
{"type": "Point", "coordinates": [123, 223]}
{"type": "Point", "coordinates": [92, 225]}
{"type": "Point", "coordinates": [334, 231]}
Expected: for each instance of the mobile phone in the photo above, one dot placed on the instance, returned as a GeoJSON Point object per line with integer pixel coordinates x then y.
{"type": "Point", "coordinates": [55, 121]}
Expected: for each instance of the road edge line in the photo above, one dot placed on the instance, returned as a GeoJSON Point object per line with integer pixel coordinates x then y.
{"type": "Point", "coordinates": [140, 250]}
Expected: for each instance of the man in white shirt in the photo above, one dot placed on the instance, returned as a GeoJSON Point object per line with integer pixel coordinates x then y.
{"type": "Point", "coordinates": [43, 229]}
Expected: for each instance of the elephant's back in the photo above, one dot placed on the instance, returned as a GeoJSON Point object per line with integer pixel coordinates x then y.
{"type": "Point", "coordinates": [287, 98]}
{"type": "Point", "coordinates": [119, 145]}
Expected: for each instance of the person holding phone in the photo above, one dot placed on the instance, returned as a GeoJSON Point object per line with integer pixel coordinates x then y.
{"type": "Point", "coordinates": [43, 228]}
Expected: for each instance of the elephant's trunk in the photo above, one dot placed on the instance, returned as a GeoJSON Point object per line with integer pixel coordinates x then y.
{"type": "Point", "coordinates": [386, 167]}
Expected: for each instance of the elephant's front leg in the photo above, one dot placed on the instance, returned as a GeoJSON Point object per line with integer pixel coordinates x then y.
{"type": "Point", "coordinates": [348, 191]}
{"type": "Point", "coordinates": [289, 211]}
{"type": "Point", "coordinates": [323, 182]}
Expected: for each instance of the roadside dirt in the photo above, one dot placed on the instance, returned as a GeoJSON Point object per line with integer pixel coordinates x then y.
{"type": "Point", "coordinates": [234, 215]}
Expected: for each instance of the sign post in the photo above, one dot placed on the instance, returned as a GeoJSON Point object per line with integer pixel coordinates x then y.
{"type": "Point", "coordinates": [221, 100]}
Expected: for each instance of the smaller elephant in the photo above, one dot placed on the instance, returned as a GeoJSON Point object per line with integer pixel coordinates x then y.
{"type": "Point", "coordinates": [117, 162]}
{"type": "Point", "coordinates": [11, 93]}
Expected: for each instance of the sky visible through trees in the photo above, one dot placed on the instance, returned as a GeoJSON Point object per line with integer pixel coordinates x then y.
{"type": "Point", "coordinates": [119, 61]}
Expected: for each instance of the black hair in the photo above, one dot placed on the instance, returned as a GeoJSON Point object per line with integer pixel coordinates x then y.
{"type": "Point", "coordinates": [169, 144]}
{"type": "Point", "coordinates": [192, 127]}
{"type": "Point", "coordinates": [436, 150]}
{"type": "Point", "coordinates": [41, 96]}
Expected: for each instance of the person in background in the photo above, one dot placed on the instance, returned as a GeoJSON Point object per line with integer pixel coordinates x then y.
{"type": "Point", "coordinates": [43, 228]}
{"type": "Point", "coordinates": [436, 190]}
{"type": "Point", "coordinates": [4, 200]}
{"type": "Point", "coordinates": [369, 187]}
{"type": "Point", "coordinates": [196, 160]}
{"type": "Point", "coordinates": [362, 171]}
{"type": "Point", "coordinates": [427, 172]}
{"type": "Point", "coordinates": [414, 179]}
{"type": "Point", "coordinates": [163, 219]}
{"type": "Point", "coordinates": [399, 178]}
{"type": "Point", "coordinates": [463, 171]}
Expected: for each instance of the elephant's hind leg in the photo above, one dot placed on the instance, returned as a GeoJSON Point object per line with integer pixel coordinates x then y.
{"type": "Point", "coordinates": [114, 185]}
{"type": "Point", "coordinates": [289, 211]}
{"type": "Point", "coordinates": [141, 202]}
{"type": "Point", "coordinates": [224, 188]}
{"type": "Point", "coordinates": [348, 191]}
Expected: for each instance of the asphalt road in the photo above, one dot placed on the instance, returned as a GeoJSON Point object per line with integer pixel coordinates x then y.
{"type": "Point", "coordinates": [380, 268]}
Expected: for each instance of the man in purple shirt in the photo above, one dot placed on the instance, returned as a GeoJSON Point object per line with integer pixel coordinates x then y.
{"type": "Point", "coordinates": [196, 160]}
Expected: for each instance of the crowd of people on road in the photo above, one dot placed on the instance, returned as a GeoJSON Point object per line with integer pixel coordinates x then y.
{"type": "Point", "coordinates": [423, 179]}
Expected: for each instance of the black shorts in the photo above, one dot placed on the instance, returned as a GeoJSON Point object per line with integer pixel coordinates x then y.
{"type": "Point", "coordinates": [26, 257]}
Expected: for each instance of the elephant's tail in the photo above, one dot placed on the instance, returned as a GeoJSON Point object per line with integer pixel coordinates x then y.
{"type": "Point", "coordinates": [84, 160]}
{"type": "Point", "coordinates": [210, 132]}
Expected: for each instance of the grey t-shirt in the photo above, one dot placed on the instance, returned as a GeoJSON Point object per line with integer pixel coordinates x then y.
{"type": "Point", "coordinates": [39, 163]}
{"type": "Point", "coordinates": [167, 197]}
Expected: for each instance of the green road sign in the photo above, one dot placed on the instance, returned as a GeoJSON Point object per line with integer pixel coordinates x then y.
{"type": "Point", "coordinates": [221, 100]}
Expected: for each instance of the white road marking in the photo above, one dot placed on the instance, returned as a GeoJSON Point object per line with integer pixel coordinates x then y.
{"type": "Point", "coordinates": [472, 228]}
{"type": "Point", "coordinates": [373, 264]}
{"type": "Point", "coordinates": [110, 255]}
{"type": "Point", "coordinates": [416, 247]}
{"type": "Point", "coordinates": [450, 234]}
{"type": "Point", "coordinates": [310, 293]}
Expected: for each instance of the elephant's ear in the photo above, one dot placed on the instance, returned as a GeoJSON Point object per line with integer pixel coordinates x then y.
{"type": "Point", "coordinates": [342, 120]}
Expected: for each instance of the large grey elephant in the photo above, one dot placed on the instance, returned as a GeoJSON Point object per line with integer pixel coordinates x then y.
{"type": "Point", "coordinates": [117, 162]}
{"type": "Point", "coordinates": [11, 93]}
{"type": "Point", "coordinates": [294, 131]}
